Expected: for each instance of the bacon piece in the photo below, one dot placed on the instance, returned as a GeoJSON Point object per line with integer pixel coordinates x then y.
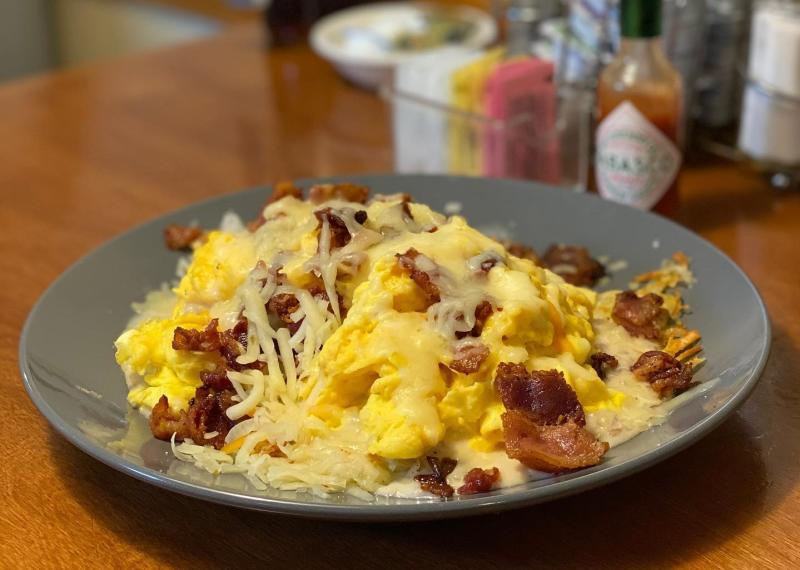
{"type": "Point", "coordinates": [280, 190]}
{"type": "Point", "coordinates": [468, 358]}
{"type": "Point", "coordinates": [408, 261]}
{"type": "Point", "coordinates": [667, 375]}
{"type": "Point", "coordinates": [283, 305]}
{"type": "Point", "coordinates": [206, 414]}
{"type": "Point", "coordinates": [199, 341]}
{"type": "Point", "coordinates": [544, 396]}
{"type": "Point", "coordinates": [283, 189]}
{"type": "Point", "coordinates": [601, 362]}
{"type": "Point", "coordinates": [550, 448]}
{"type": "Point", "coordinates": [164, 422]}
{"type": "Point", "coordinates": [178, 237]}
{"type": "Point", "coordinates": [640, 316]}
{"type": "Point", "coordinates": [436, 482]}
{"type": "Point", "coordinates": [483, 311]}
{"type": "Point", "coordinates": [216, 379]}
{"type": "Point", "coordinates": [267, 448]}
{"type": "Point", "coordinates": [233, 343]}
{"type": "Point", "coordinates": [403, 197]}
{"type": "Point", "coordinates": [574, 264]}
{"type": "Point", "coordinates": [479, 481]}
{"type": "Point", "coordinates": [343, 191]}
{"type": "Point", "coordinates": [340, 235]}
{"type": "Point", "coordinates": [520, 250]}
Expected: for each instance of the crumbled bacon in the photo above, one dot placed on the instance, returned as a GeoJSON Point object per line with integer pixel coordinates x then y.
{"type": "Point", "coordinates": [601, 362]}
{"type": "Point", "coordinates": [403, 197]}
{"type": "Point", "coordinates": [200, 341]}
{"type": "Point", "coordinates": [436, 482]}
{"type": "Point", "coordinates": [469, 357]}
{"type": "Point", "coordinates": [574, 264]}
{"type": "Point", "coordinates": [667, 375]}
{"type": "Point", "coordinates": [280, 190]}
{"type": "Point", "coordinates": [267, 448]}
{"type": "Point", "coordinates": [178, 237]}
{"type": "Point", "coordinates": [520, 250]}
{"type": "Point", "coordinates": [640, 316]}
{"type": "Point", "coordinates": [545, 396]}
{"type": "Point", "coordinates": [340, 235]}
{"type": "Point", "coordinates": [217, 379]}
{"type": "Point", "coordinates": [206, 414]}
{"type": "Point", "coordinates": [550, 448]}
{"type": "Point", "coordinates": [479, 480]}
{"type": "Point", "coordinates": [283, 305]}
{"type": "Point", "coordinates": [283, 189]}
{"type": "Point", "coordinates": [408, 261]}
{"type": "Point", "coordinates": [233, 343]}
{"type": "Point", "coordinates": [483, 311]}
{"type": "Point", "coordinates": [343, 191]}
{"type": "Point", "coordinates": [164, 422]}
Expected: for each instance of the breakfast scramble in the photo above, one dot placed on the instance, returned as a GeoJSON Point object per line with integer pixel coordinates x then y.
{"type": "Point", "coordinates": [339, 343]}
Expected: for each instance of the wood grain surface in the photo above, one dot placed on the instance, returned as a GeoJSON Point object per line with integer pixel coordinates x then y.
{"type": "Point", "coordinates": [88, 153]}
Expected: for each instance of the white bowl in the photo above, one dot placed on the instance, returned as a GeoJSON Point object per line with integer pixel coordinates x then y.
{"type": "Point", "coordinates": [357, 40]}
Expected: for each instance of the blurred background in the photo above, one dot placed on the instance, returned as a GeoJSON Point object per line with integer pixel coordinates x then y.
{"type": "Point", "coordinates": [740, 93]}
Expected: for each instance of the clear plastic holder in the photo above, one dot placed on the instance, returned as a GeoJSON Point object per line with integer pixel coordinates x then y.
{"type": "Point", "coordinates": [519, 146]}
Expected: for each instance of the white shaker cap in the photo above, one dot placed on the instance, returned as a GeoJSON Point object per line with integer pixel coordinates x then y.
{"type": "Point", "coordinates": [775, 48]}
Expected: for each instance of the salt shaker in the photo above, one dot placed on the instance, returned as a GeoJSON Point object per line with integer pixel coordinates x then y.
{"type": "Point", "coordinates": [770, 128]}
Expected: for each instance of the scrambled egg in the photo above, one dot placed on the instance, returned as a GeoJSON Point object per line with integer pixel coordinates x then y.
{"type": "Point", "coordinates": [388, 358]}
{"type": "Point", "coordinates": [154, 369]}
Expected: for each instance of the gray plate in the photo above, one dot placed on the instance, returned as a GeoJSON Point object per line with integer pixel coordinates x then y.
{"type": "Point", "coordinates": [67, 358]}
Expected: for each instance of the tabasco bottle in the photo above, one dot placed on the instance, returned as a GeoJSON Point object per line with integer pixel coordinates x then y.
{"type": "Point", "coordinates": [639, 97]}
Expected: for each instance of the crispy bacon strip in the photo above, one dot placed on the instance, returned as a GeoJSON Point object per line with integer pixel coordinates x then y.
{"type": "Point", "coordinates": [408, 262]}
{"type": "Point", "coordinates": [574, 264]}
{"type": "Point", "coordinates": [601, 362]}
{"type": "Point", "coordinates": [479, 481]}
{"type": "Point", "coordinates": [436, 482]}
{"type": "Point", "coordinates": [200, 341]}
{"type": "Point", "coordinates": [468, 358]}
{"type": "Point", "coordinates": [280, 190]}
{"type": "Point", "coordinates": [283, 189]}
{"type": "Point", "coordinates": [667, 375]}
{"type": "Point", "coordinates": [550, 448]}
{"type": "Point", "coordinates": [283, 305]}
{"type": "Point", "coordinates": [543, 426]}
{"type": "Point", "coordinates": [164, 422]}
{"type": "Point", "coordinates": [340, 235]}
{"type": "Point", "coordinates": [216, 379]}
{"type": "Point", "coordinates": [320, 193]}
{"type": "Point", "coordinates": [404, 198]}
{"type": "Point", "coordinates": [233, 343]}
{"type": "Point", "coordinates": [483, 311]}
{"type": "Point", "coordinates": [206, 414]}
{"type": "Point", "coordinates": [640, 316]}
{"type": "Point", "coordinates": [178, 237]}
{"type": "Point", "coordinates": [520, 250]}
{"type": "Point", "coordinates": [544, 396]}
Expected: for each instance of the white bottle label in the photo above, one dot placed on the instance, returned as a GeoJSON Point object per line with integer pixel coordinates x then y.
{"type": "Point", "coordinates": [635, 163]}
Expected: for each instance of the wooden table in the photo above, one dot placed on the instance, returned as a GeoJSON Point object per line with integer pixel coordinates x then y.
{"type": "Point", "coordinates": [88, 153]}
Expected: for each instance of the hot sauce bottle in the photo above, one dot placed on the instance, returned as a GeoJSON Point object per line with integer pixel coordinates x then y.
{"type": "Point", "coordinates": [639, 97]}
